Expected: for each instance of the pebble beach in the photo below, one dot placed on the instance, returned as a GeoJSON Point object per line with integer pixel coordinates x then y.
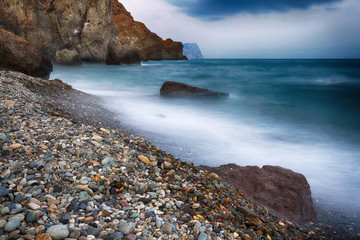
{"type": "Point", "coordinates": [69, 171]}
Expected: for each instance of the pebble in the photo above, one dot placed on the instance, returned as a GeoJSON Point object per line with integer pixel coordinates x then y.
{"type": "Point", "coordinates": [2, 223]}
{"type": "Point", "coordinates": [167, 228]}
{"type": "Point", "coordinates": [117, 235]}
{"type": "Point", "coordinates": [43, 236]}
{"type": "Point", "coordinates": [202, 236]}
{"type": "Point", "coordinates": [144, 159]}
{"type": "Point", "coordinates": [58, 232]}
{"type": "Point", "coordinates": [12, 224]}
{"type": "Point", "coordinates": [3, 191]}
{"type": "Point", "coordinates": [127, 228]}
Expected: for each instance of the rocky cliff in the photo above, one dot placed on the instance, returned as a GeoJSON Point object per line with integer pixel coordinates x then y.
{"type": "Point", "coordinates": [192, 51]}
{"type": "Point", "coordinates": [86, 28]}
{"type": "Point", "coordinates": [84, 25]}
{"type": "Point", "coordinates": [149, 44]}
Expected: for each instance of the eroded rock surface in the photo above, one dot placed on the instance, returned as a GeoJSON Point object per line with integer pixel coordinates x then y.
{"type": "Point", "coordinates": [18, 54]}
{"type": "Point", "coordinates": [149, 44]}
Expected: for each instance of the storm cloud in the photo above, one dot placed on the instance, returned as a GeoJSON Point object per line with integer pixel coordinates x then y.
{"type": "Point", "coordinates": [219, 9]}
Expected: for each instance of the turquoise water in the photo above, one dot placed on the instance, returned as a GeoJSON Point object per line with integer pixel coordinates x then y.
{"type": "Point", "coordinates": [299, 114]}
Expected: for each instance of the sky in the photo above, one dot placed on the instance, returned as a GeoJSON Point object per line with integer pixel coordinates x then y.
{"type": "Point", "coordinates": [256, 28]}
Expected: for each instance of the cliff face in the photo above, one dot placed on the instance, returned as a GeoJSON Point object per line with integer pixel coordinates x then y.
{"type": "Point", "coordinates": [150, 45]}
{"type": "Point", "coordinates": [192, 51]}
{"type": "Point", "coordinates": [84, 25]}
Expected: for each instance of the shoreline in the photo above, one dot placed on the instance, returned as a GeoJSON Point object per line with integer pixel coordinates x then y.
{"type": "Point", "coordinates": [61, 100]}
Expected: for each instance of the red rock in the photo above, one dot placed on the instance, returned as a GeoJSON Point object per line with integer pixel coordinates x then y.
{"type": "Point", "coordinates": [149, 44]}
{"type": "Point", "coordinates": [43, 236]}
{"type": "Point", "coordinates": [282, 191]}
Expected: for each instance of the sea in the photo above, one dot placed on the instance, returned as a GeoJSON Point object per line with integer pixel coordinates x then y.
{"type": "Point", "coordinates": [299, 114]}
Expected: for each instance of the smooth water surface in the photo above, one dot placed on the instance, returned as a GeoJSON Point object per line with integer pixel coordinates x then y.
{"type": "Point", "coordinates": [299, 114]}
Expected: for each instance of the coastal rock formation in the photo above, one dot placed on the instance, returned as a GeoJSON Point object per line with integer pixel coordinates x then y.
{"type": "Point", "coordinates": [18, 54]}
{"type": "Point", "coordinates": [192, 51]}
{"type": "Point", "coordinates": [118, 54]}
{"type": "Point", "coordinates": [68, 57]}
{"type": "Point", "coordinates": [150, 45]}
{"type": "Point", "coordinates": [281, 190]}
{"type": "Point", "coordinates": [84, 25]}
{"type": "Point", "coordinates": [177, 89]}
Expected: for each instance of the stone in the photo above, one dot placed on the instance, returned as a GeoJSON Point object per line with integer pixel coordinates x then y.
{"type": "Point", "coordinates": [202, 236]}
{"type": "Point", "coordinates": [43, 236]}
{"type": "Point", "coordinates": [117, 235]}
{"type": "Point", "coordinates": [33, 206]}
{"type": "Point", "coordinates": [167, 228]}
{"type": "Point", "coordinates": [144, 159]}
{"type": "Point", "coordinates": [15, 146]}
{"type": "Point", "coordinates": [68, 57]}
{"type": "Point", "coordinates": [130, 237]}
{"type": "Point", "coordinates": [12, 224]}
{"type": "Point", "coordinates": [75, 234]}
{"type": "Point", "coordinates": [58, 232]}
{"type": "Point", "coordinates": [118, 54]}
{"type": "Point", "coordinates": [282, 191]}
{"type": "Point", "coordinates": [30, 217]}
{"type": "Point", "coordinates": [177, 89]}
{"type": "Point", "coordinates": [2, 223]}
{"type": "Point", "coordinates": [84, 196]}
{"type": "Point", "coordinates": [9, 103]}
{"type": "Point", "coordinates": [3, 191]}
{"type": "Point", "coordinates": [126, 228]}
{"type": "Point", "coordinates": [17, 54]}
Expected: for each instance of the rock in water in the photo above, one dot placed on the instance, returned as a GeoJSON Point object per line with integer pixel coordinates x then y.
{"type": "Point", "coordinates": [177, 89]}
{"type": "Point", "coordinates": [118, 54]}
{"type": "Point", "coordinates": [20, 55]}
{"type": "Point", "coordinates": [68, 57]}
{"type": "Point", "coordinates": [281, 190]}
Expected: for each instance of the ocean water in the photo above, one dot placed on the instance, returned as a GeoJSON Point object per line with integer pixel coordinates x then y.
{"type": "Point", "coordinates": [299, 114]}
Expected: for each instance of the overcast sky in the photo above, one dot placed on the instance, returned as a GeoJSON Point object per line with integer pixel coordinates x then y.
{"type": "Point", "coordinates": [257, 28]}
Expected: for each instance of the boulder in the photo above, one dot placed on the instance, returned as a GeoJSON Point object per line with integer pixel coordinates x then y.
{"type": "Point", "coordinates": [282, 191]}
{"type": "Point", "coordinates": [17, 54]}
{"type": "Point", "coordinates": [68, 57]}
{"type": "Point", "coordinates": [118, 54]}
{"type": "Point", "coordinates": [177, 89]}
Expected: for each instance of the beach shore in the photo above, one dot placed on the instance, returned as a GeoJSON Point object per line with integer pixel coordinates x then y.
{"type": "Point", "coordinates": [70, 170]}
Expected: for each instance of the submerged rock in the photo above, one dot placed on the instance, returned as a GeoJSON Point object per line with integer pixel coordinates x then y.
{"type": "Point", "coordinates": [177, 89]}
{"type": "Point", "coordinates": [281, 190]}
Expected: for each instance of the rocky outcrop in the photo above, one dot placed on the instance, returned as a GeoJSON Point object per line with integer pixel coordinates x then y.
{"type": "Point", "coordinates": [281, 190]}
{"type": "Point", "coordinates": [177, 89]}
{"type": "Point", "coordinates": [150, 45]}
{"type": "Point", "coordinates": [83, 25]}
{"type": "Point", "coordinates": [192, 51]}
{"type": "Point", "coordinates": [118, 54]}
{"type": "Point", "coordinates": [68, 57]}
{"type": "Point", "coordinates": [18, 54]}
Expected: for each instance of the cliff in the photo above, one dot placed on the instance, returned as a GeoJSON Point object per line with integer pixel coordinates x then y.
{"type": "Point", "coordinates": [149, 44]}
{"type": "Point", "coordinates": [85, 28]}
{"type": "Point", "coordinates": [192, 51]}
